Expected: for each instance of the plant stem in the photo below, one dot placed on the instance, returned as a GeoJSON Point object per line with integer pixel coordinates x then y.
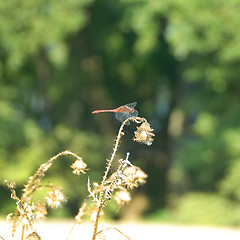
{"type": "Point", "coordinates": [96, 222]}
{"type": "Point", "coordinates": [23, 229]}
{"type": "Point", "coordinates": [32, 186]}
{"type": "Point", "coordinates": [109, 164]}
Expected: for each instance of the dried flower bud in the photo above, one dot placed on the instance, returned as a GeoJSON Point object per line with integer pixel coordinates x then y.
{"type": "Point", "coordinates": [133, 176]}
{"type": "Point", "coordinates": [79, 166]}
{"type": "Point", "coordinates": [144, 134]}
{"type": "Point", "coordinates": [55, 198]}
{"type": "Point", "coordinates": [140, 176]}
{"type": "Point", "coordinates": [122, 197]}
{"type": "Point", "coordinates": [40, 211]}
{"type": "Point", "coordinates": [129, 181]}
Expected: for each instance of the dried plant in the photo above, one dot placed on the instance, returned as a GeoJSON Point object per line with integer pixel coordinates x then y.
{"type": "Point", "coordinates": [124, 178]}
{"type": "Point", "coordinates": [27, 211]}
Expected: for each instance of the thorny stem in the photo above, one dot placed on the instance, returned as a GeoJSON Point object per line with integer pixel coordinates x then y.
{"type": "Point", "coordinates": [109, 164]}
{"type": "Point", "coordinates": [23, 230]}
{"type": "Point", "coordinates": [81, 210]}
{"type": "Point", "coordinates": [32, 186]}
{"type": "Point", "coordinates": [96, 222]}
{"type": "Point", "coordinates": [35, 180]}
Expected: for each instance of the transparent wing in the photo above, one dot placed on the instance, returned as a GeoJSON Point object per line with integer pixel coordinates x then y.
{"type": "Point", "coordinates": [123, 116]}
{"type": "Point", "coordinates": [135, 113]}
{"type": "Point", "coordinates": [134, 104]}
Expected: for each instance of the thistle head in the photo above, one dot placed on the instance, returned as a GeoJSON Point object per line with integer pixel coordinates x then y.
{"type": "Point", "coordinates": [122, 197]}
{"type": "Point", "coordinates": [55, 198]}
{"type": "Point", "coordinates": [133, 176]}
{"type": "Point", "coordinates": [144, 134]}
{"type": "Point", "coordinates": [79, 166]}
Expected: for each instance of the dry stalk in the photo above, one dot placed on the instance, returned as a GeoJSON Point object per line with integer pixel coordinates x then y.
{"type": "Point", "coordinates": [30, 188]}
{"type": "Point", "coordinates": [109, 164]}
{"type": "Point", "coordinates": [126, 176]}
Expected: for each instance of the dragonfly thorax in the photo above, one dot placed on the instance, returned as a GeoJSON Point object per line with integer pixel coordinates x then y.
{"type": "Point", "coordinates": [123, 109]}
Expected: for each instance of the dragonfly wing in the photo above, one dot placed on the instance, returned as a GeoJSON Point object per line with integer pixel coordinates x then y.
{"type": "Point", "coordinates": [135, 113]}
{"type": "Point", "coordinates": [122, 117]}
{"type": "Point", "coordinates": [134, 104]}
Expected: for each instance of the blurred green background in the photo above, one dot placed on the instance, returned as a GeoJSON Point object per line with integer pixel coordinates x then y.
{"type": "Point", "coordinates": [179, 59]}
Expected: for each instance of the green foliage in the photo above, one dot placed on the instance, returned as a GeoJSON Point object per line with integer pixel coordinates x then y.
{"type": "Point", "coordinates": [230, 184]}
{"type": "Point", "coordinates": [59, 60]}
{"type": "Point", "coordinates": [203, 37]}
{"type": "Point", "coordinates": [28, 26]}
{"type": "Point", "coordinates": [207, 209]}
{"type": "Point", "coordinates": [208, 27]}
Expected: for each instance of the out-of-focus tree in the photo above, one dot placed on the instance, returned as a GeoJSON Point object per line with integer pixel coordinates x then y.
{"type": "Point", "coordinates": [203, 37]}
{"type": "Point", "coordinates": [28, 27]}
{"type": "Point", "coordinates": [34, 52]}
{"type": "Point", "coordinates": [178, 59]}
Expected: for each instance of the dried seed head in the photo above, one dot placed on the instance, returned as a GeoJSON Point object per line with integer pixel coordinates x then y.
{"type": "Point", "coordinates": [55, 198]}
{"type": "Point", "coordinates": [79, 166]}
{"type": "Point", "coordinates": [140, 176]}
{"type": "Point", "coordinates": [129, 181]}
{"type": "Point", "coordinates": [144, 134]}
{"type": "Point", "coordinates": [133, 176]}
{"type": "Point", "coordinates": [122, 197]}
{"type": "Point", "coordinates": [40, 211]}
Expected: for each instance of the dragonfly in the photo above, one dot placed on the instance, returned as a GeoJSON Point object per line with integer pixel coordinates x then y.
{"type": "Point", "coordinates": [122, 113]}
